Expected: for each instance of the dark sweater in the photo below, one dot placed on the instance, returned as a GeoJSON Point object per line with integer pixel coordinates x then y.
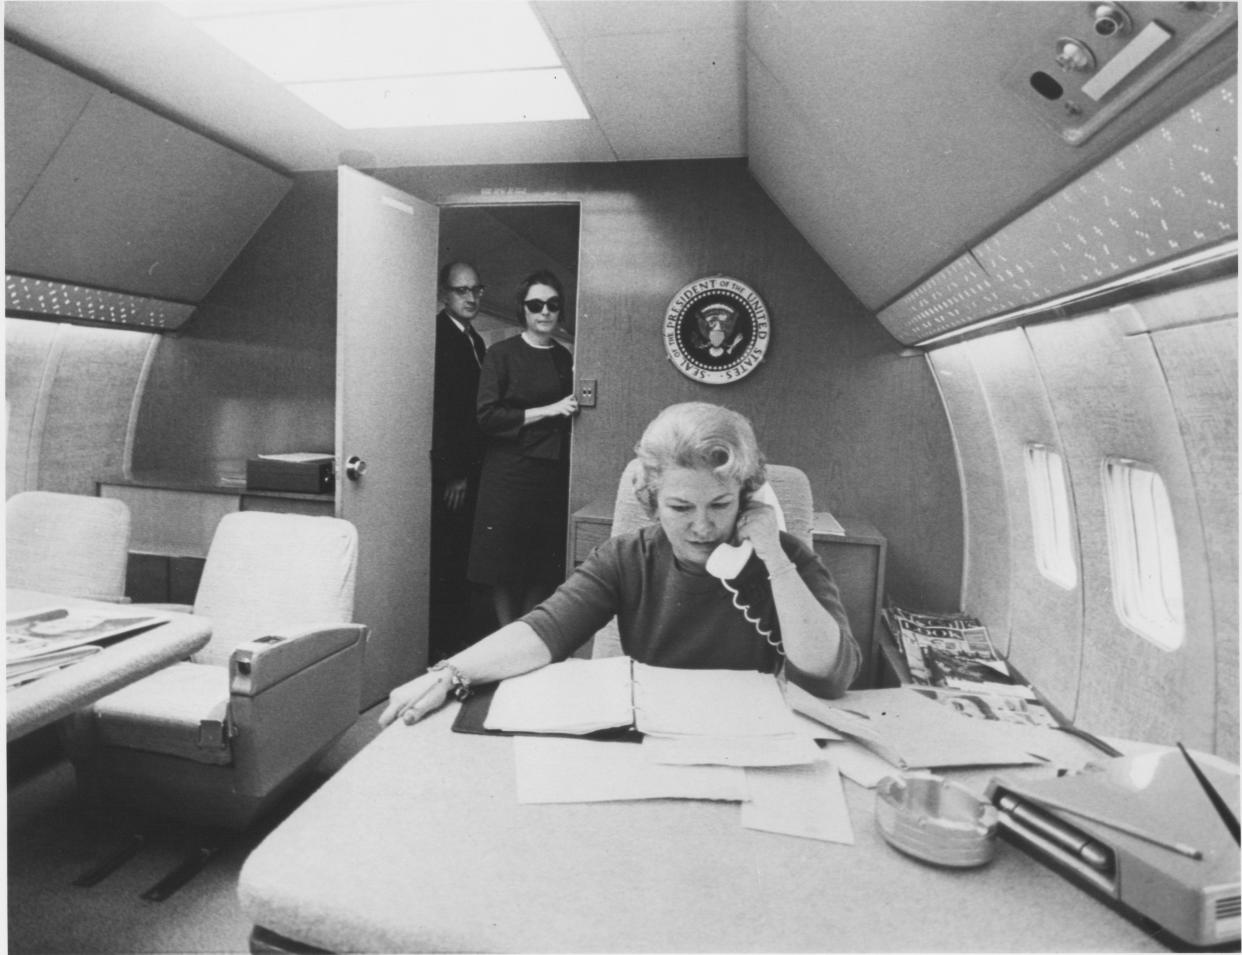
{"type": "Point", "coordinates": [672, 617]}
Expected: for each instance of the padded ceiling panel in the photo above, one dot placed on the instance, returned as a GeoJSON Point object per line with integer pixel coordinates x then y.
{"type": "Point", "coordinates": [133, 202]}
{"type": "Point", "coordinates": [1171, 191]}
{"type": "Point", "coordinates": [41, 104]}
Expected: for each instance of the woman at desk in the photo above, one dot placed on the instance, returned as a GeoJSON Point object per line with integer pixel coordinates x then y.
{"type": "Point", "coordinates": [700, 470]}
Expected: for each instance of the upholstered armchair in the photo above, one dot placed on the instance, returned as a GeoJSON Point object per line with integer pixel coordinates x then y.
{"type": "Point", "coordinates": [219, 738]}
{"type": "Point", "coordinates": [71, 545]}
{"type": "Point", "coordinates": [793, 492]}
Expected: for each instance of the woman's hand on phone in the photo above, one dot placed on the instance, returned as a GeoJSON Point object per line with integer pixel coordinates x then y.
{"type": "Point", "coordinates": [757, 523]}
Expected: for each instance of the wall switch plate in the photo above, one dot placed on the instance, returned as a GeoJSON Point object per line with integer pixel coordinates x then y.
{"type": "Point", "coordinates": [586, 392]}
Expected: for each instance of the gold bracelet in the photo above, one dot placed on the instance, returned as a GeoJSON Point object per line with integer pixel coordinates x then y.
{"type": "Point", "coordinates": [784, 569]}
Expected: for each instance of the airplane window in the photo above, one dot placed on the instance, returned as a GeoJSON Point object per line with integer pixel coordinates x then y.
{"type": "Point", "coordinates": [1050, 516]}
{"type": "Point", "coordinates": [1142, 547]}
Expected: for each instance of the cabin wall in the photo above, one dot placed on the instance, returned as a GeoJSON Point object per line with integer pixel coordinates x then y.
{"type": "Point", "coordinates": [70, 395]}
{"type": "Point", "coordinates": [1155, 381]}
{"type": "Point", "coordinates": [254, 370]}
{"type": "Point", "coordinates": [835, 395]}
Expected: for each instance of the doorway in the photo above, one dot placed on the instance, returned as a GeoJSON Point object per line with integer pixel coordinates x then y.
{"type": "Point", "coordinates": [506, 243]}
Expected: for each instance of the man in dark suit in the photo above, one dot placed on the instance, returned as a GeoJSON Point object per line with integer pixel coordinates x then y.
{"type": "Point", "coordinates": [456, 455]}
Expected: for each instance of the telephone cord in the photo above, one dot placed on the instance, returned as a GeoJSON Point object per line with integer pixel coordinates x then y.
{"type": "Point", "coordinates": [753, 621]}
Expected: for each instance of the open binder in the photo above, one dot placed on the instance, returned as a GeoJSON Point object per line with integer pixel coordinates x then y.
{"type": "Point", "coordinates": [580, 697]}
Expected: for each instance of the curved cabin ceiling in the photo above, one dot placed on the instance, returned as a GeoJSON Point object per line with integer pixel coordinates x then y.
{"type": "Point", "coordinates": [890, 133]}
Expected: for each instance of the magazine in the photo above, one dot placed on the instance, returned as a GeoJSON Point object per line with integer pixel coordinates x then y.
{"type": "Point", "coordinates": [1003, 707]}
{"type": "Point", "coordinates": [46, 634]}
{"type": "Point", "coordinates": [947, 650]}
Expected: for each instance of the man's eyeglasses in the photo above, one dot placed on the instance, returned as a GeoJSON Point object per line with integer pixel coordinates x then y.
{"type": "Point", "coordinates": [466, 289]}
{"type": "Point", "coordinates": [537, 305]}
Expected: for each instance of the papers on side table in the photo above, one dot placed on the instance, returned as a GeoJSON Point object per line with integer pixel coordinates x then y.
{"type": "Point", "coordinates": [39, 642]}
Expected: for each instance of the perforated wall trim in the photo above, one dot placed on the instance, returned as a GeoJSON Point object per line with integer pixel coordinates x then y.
{"type": "Point", "coordinates": [31, 297]}
{"type": "Point", "coordinates": [1172, 191]}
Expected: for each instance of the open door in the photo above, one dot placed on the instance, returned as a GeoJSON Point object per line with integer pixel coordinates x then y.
{"type": "Point", "coordinates": [385, 355]}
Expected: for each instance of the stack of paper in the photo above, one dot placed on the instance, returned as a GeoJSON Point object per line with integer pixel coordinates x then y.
{"type": "Point", "coordinates": [723, 735]}
{"type": "Point", "coordinates": [581, 696]}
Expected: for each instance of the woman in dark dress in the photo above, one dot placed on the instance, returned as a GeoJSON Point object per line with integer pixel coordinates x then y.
{"type": "Point", "coordinates": [525, 405]}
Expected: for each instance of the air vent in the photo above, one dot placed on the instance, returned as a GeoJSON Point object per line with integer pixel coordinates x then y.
{"type": "Point", "coordinates": [1086, 69]}
{"type": "Point", "coordinates": [1229, 907]}
{"type": "Point", "coordinates": [39, 298]}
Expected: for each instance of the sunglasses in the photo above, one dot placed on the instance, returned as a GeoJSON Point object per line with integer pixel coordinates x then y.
{"type": "Point", "coordinates": [537, 305]}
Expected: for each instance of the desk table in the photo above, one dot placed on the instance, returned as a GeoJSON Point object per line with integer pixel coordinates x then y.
{"type": "Point", "coordinates": [419, 844]}
{"type": "Point", "coordinates": [46, 700]}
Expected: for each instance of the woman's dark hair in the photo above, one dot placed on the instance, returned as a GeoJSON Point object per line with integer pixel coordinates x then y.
{"type": "Point", "coordinates": [542, 277]}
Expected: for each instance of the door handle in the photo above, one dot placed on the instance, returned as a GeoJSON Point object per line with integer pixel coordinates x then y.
{"type": "Point", "coordinates": [355, 467]}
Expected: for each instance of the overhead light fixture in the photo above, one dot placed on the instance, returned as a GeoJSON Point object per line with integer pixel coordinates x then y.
{"type": "Point", "coordinates": [394, 64]}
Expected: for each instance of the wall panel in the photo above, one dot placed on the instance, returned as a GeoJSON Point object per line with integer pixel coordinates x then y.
{"type": "Point", "coordinates": [1045, 639]}
{"type": "Point", "coordinates": [1109, 398]}
{"type": "Point", "coordinates": [1201, 365]}
{"type": "Point", "coordinates": [30, 350]}
{"type": "Point", "coordinates": [986, 564]}
{"type": "Point", "coordinates": [254, 370]}
{"type": "Point", "coordinates": [98, 377]}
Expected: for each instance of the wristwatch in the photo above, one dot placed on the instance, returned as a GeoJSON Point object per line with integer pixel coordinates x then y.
{"type": "Point", "coordinates": [459, 685]}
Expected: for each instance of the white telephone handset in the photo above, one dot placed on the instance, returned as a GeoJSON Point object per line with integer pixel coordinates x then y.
{"type": "Point", "coordinates": [727, 560]}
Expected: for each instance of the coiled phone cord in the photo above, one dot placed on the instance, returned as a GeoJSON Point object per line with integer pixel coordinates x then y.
{"type": "Point", "coordinates": [754, 621]}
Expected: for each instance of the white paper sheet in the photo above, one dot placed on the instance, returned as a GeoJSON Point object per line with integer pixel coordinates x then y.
{"type": "Point", "coordinates": [913, 732]}
{"type": "Point", "coordinates": [793, 750]}
{"type": "Point", "coordinates": [858, 763]}
{"type": "Point", "coordinates": [729, 703]}
{"type": "Point", "coordinates": [806, 801]}
{"type": "Point", "coordinates": [573, 696]}
{"type": "Point", "coordinates": [555, 769]}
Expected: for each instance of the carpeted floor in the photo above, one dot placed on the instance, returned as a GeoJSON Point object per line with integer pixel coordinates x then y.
{"type": "Point", "coordinates": [53, 839]}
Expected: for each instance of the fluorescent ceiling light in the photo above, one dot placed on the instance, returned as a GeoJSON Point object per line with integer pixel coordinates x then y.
{"type": "Point", "coordinates": [446, 100]}
{"type": "Point", "coordinates": [388, 64]}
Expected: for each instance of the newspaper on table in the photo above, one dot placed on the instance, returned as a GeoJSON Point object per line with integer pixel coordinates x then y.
{"type": "Point", "coordinates": [39, 642]}
{"type": "Point", "coordinates": [952, 660]}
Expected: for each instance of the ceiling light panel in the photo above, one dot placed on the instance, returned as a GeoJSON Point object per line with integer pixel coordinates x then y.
{"type": "Point", "coordinates": [356, 40]}
{"type": "Point", "coordinates": [446, 100]}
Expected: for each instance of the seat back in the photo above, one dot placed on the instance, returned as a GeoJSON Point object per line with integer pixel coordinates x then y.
{"type": "Point", "coordinates": [68, 544]}
{"type": "Point", "coordinates": [792, 489]}
{"type": "Point", "coordinates": [274, 571]}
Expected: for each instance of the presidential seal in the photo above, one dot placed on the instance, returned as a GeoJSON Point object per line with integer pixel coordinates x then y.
{"type": "Point", "coordinates": [716, 330]}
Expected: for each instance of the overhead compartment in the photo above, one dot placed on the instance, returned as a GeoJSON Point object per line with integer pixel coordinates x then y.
{"type": "Point", "coordinates": [115, 214]}
{"type": "Point", "coordinates": [1167, 201]}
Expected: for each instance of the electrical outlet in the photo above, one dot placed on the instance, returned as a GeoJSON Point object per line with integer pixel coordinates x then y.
{"type": "Point", "coordinates": [586, 392]}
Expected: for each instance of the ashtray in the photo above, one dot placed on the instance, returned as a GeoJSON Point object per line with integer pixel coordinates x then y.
{"type": "Point", "coordinates": [936, 820]}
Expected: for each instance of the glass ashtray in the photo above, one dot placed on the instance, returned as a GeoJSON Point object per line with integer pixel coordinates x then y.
{"type": "Point", "coordinates": [936, 820]}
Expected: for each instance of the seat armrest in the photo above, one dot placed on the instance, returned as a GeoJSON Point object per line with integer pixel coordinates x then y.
{"type": "Point", "coordinates": [259, 664]}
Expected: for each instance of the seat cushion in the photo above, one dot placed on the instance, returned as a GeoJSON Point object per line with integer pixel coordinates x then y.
{"type": "Point", "coordinates": [166, 712]}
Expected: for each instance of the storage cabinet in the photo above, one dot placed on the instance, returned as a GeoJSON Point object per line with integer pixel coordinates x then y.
{"type": "Point", "coordinates": [172, 519]}
{"type": "Point", "coordinates": [851, 548]}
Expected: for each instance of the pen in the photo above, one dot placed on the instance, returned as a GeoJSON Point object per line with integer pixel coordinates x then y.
{"type": "Point", "coordinates": [1189, 851]}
